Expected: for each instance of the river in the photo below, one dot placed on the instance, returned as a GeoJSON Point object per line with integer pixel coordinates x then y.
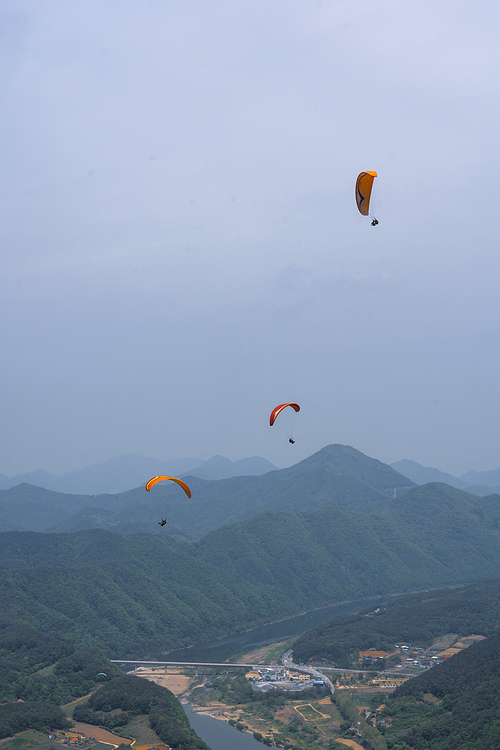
{"type": "Point", "coordinates": [219, 735]}
{"type": "Point", "coordinates": [225, 648]}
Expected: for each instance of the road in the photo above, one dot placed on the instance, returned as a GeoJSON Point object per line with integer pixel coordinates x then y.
{"type": "Point", "coordinates": [286, 661]}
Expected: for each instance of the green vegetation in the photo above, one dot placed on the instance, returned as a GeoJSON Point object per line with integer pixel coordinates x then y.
{"type": "Point", "coordinates": [37, 667]}
{"type": "Point", "coordinates": [370, 735]}
{"type": "Point", "coordinates": [454, 706]}
{"type": "Point", "coordinates": [39, 673]}
{"type": "Point", "coordinates": [16, 717]}
{"type": "Point", "coordinates": [417, 619]}
{"type": "Point", "coordinates": [141, 596]}
{"type": "Point", "coordinates": [336, 475]}
{"type": "Point", "coordinates": [112, 704]}
{"type": "Point", "coordinates": [33, 739]}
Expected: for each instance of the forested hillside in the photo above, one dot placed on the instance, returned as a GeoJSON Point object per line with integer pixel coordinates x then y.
{"type": "Point", "coordinates": [453, 706]}
{"type": "Point", "coordinates": [35, 666]}
{"type": "Point", "coordinates": [38, 674]}
{"type": "Point", "coordinates": [145, 595]}
{"type": "Point", "coordinates": [416, 619]}
{"type": "Point", "coordinates": [127, 696]}
{"type": "Point", "coordinates": [336, 475]}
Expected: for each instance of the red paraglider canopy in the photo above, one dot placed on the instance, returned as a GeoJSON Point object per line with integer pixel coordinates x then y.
{"type": "Point", "coordinates": [278, 409]}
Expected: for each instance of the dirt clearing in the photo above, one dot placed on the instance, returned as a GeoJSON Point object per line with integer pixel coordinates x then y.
{"type": "Point", "coordinates": [176, 683]}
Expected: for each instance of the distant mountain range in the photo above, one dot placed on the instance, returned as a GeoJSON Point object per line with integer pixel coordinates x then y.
{"type": "Point", "coordinates": [336, 475]}
{"type": "Point", "coordinates": [477, 482]}
{"type": "Point", "coordinates": [145, 594]}
{"type": "Point", "coordinates": [128, 471]}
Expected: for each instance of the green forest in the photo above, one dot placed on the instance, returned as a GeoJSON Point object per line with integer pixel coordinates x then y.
{"type": "Point", "coordinates": [38, 667]}
{"type": "Point", "coordinates": [335, 475]}
{"type": "Point", "coordinates": [143, 595]}
{"type": "Point", "coordinates": [38, 674]}
{"type": "Point", "coordinates": [454, 706]}
{"type": "Point", "coordinates": [416, 619]}
{"type": "Point", "coordinates": [115, 702]}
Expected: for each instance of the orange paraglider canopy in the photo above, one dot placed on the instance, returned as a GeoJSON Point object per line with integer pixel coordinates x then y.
{"type": "Point", "coordinates": [182, 484]}
{"type": "Point", "coordinates": [278, 409]}
{"type": "Point", "coordinates": [364, 185]}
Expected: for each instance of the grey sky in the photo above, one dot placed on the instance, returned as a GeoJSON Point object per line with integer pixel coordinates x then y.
{"type": "Point", "coordinates": [181, 250]}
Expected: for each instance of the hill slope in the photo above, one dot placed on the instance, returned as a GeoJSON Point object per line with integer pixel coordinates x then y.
{"type": "Point", "coordinates": [38, 673]}
{"type": "Point", "coordinates": [417, 619]}
{"type": "Point", "coordinates": [423, 474]}
{"type": "Point", "coordinates": [128, 471]}
{"type": "Point", "coordinates": [145, 594]}
{"type": "Point", "coordinates": [466, 714]}
{"type": "Point", "coordinates": [477, 483]}
{"type": "Point", "coordinates": [336, 475]}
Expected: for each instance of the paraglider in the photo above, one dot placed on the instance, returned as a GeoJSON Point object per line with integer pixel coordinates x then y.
{"type": "Point", "coordinates": [364, 185]}
{"type": "Point", "coordinates": [277, 410]}
{"type": "Point", "coordinates": [161, 478]}
{"type": "Point", "coordinates": [162, 522]}
{"type": "Point", "coordinates": [101, 674]}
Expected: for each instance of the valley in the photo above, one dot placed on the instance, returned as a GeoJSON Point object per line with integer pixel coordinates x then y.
{"type": "Point", "coordinates": [312, 566]}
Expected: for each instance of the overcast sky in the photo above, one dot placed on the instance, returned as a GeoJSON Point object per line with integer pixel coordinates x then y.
{"type": "Point", "coordinates": [180, 246]}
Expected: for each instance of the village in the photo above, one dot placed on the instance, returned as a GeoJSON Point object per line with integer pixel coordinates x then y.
{"type": "Point", "coordinates": [412, 657]}
{"type": "Point", "coordinates": [376, 671]}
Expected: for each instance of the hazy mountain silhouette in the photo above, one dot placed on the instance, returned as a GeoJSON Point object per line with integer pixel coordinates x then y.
{"type": "Point", "coordinates": [477, 482]}
{"type": "Point", "coordinates": [336, 475]}
{"type": "Point", "coordinates": [219, 467]}
{"type": "Point", "coordinates": [128, 471]}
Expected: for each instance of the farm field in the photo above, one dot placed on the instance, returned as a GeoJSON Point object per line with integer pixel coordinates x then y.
{"type": "Point", "coordinates": [33, 740]}
{"type": "Point", "coordinates": [89, 730]}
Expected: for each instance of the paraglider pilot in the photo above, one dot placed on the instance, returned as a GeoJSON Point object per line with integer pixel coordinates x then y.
{"type": "Point", "coordinates": [162, 522]}
{"type": "Point", "coordinates": [290, 440]}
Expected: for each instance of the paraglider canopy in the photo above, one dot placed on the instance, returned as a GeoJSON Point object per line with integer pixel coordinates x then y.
{"type": "Point", "coordinates": [278, 409]}
{"type": "Point", "coordinates": [161, 478]}
{"type": "Point", "coordinates": [364, 185]}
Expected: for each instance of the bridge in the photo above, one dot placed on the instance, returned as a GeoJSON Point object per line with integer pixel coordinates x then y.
{"type": "Point", "coordinates": [139, 662]}
{"type": "Point", "coordinates": [314, 673]}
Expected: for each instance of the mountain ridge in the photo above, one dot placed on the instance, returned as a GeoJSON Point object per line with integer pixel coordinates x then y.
{"type": "Point", "coordinates": [143, 594]}
{"type": "Point", "coordinates": [336, 474]}
{"type": "Point", "coordinates": [127, 471]}
{"type": "Point", "coordinates": [476, 482]}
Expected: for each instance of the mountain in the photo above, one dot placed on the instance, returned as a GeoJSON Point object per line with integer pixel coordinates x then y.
{"type": "Point", "coordinates": [142, 595]}
{"type": "Point", "coordinates": [335, 475]}
{"type": "Point", "coordinates": [476, 482]}
{"type": "Point", "coordinates": [488, 478]}
{"type": "Point", "coordinates": [453, 706]}
{"type": "Point", "coordinates": [423, 474]}
{"type": "Point", "coordinates": [418, 619]}
{"type": "Point", "coordinates": [218, 467]}
{"type": "Point", "coordinates": [116, 475]}
{"type": "Point", "coordinates": [26, 507]}
{"type": "Point", "coordinates": [128, 471]}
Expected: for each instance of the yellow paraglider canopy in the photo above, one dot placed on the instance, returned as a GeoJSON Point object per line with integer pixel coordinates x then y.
{"type": "Point", "coordinates": [162, 478]}
{"type": "Point", "coordinates": [364, 185]}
